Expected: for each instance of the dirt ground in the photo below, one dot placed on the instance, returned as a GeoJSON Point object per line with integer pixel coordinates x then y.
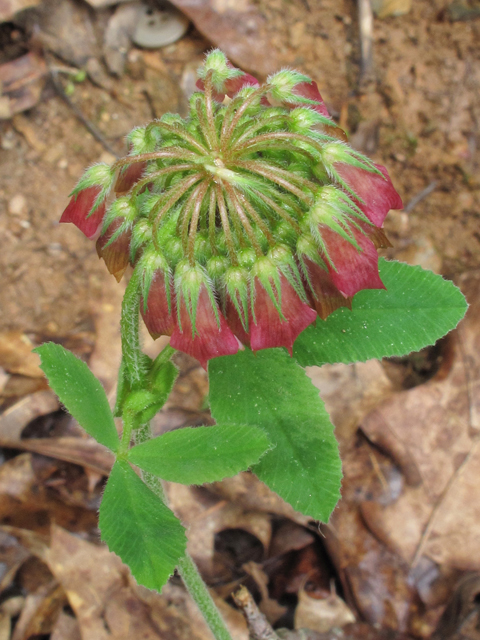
{"type": "Point", "coordinates": [418, 113]}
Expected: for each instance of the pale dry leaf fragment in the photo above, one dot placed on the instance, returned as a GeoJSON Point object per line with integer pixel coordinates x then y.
{"type": "Point", "coordinates": [21, 83]}
{"type": "Point", "coordinates": [66, 628]}
{"type": "Point", "coordinates": [432, 432]}
{"type": "Point", "coordinates": [107, 602]}
{"type": "Point", "coordinates": [14, 420]}
{"type": "Point", "coordinates": [238, 28]}
{"type": "Point", "coordinates": [385, 8]}
{"type": "Point", "coordinates": [321, 614]}
{"type": "Point", "coordinates": [40, 612]}
{"type": "Point", "coordinates": [5, 626]}
{"type": "Point", "coordinates": [16, 354]}
{"type": "Point", "coordinates": [205, 516]}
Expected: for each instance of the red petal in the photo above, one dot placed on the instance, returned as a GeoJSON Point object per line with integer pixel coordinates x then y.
{"type": "Point", "coordinates": [219, 97]}
{"type": "Point", "coordinates": [80, 206]}
{"type": "Point", "coordinates": [158, 319]}
{"type": "Point", "coordinates": [378, 194]}
{"type": "Point", "coordinates": [235, 323]}
{"type": "Point", "coordinates": [129, 177]}
{"type": "Point", "coordinates": [355, 270]}
{"type": "Point", "coordinates": [270, 330]}
{"type": "Point", "coordinates": [234, 85]}
{"type": "Point", "coordinates": [328, 297]}
{"type": "Point", "coordinates": [211, 340]}
{"type": "Point", "coordinates": [117, 254]}
{"type": "Point", "coordinates": [310, 90]}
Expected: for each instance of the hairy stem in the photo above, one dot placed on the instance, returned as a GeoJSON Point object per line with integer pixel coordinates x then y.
{"type": "Point", "coordinates": [186, 566]}
{"type": "Point", "coordinates": [129, 329]}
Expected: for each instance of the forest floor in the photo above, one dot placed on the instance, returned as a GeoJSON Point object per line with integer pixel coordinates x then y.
{"type": "Point", "coordinates": [408, 527]}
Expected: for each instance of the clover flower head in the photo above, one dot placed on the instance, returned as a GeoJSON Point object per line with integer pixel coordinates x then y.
{"type": "Point", "coordinates": [247, 220]}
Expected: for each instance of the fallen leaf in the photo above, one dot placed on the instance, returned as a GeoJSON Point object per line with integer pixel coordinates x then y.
{"type": "Point", "coordinates": [9, 8]}
{"type": "Point", "coordinates": [109, 605]}
{"type": "Point", "coordinates": [434, 429]}
{"type": "Point", "coordinates": [12, 556]}
{"type": "Point", "coordinates": [235, 26]}
{"type": "Point", "coordinates": [321, 614]}
{"type": "Point", "coordinates": [40, 612]}
{"type": "Point", "coordinates": [14, 420]}
{"type": "Point", "coordinates": [23, 481]}
{"type": "Point", "coordinates": [385, 8]}
{"type": "Point", "coordinates": [66, 628]}
{"type": "Point", "coordinates": [205, 516]}
{"type": "Point", "coordinates": [16, 352]}
{"type": "Point", "coordinates": [21, 83]}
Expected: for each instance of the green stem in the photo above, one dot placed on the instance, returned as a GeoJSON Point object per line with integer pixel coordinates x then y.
{"type": "Point", "coordinates": [186, 566]}
{"type": "Point", "coordinates": [131, 353]}
{"type": "Point", "coordinates": [199, 592]}
{"type": "Point", "coordinates": [133, 361]}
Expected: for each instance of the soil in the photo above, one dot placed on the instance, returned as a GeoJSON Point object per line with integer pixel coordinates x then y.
{"type": "Point", "coordinates": [417, 112]}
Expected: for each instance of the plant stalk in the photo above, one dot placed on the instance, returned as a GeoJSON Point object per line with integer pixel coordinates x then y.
{"type": "Point", "coordinates": [133, 360]}
{"type": "Point", "coordinates": [187, 568]}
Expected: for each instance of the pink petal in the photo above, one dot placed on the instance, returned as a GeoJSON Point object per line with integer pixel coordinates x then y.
{"type": "Point", "coordinates": [233, 86]}
{"type": "Point", "coordinates": [378, 194]}
{"type": "Point", "coordinates": [117, 254]}
{"type": "Point", "coordinates": [80, 206]}
{"type": "Point", "coordinates": [158, 319]}
{"type": "Point", "coordinates": [235, 323]}
{"type": "Point", "coordinates": [129, 177]}
{"type": "Point", "coordinates": [354, 270]}
{"type": "Point", "coordinates": [270, 330]}
{"type": "Point", "coordinates": [211, 340]}
{"type": "Point", "coordinates": [327, 297]}
{"type": "Point", "coordinates": [310, 90]}
{"type": "Point", "coordinates": [219, 97]}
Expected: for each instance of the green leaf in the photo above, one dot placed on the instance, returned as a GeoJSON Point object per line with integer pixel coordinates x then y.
{"type": "Point", "coordinates": [268, 389]}
{"type": "Point", "coordinates": [417, 308]}
{"type": "Point", "coordinates": [201, 454]}
{"type": "Point", "coordinates": [139, 528]}
{"type": "Point", "coordinates": [80, 392]}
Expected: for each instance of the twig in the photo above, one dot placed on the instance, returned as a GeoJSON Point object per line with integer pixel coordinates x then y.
{"type": "Point", "coordinates": [365, 22]}
{"type": "Point", "coordinates": [420, 196]}
{"type": "Point", "coordinates": [87, 124]}
{"type": "Point", "coordinates": [258, 627]}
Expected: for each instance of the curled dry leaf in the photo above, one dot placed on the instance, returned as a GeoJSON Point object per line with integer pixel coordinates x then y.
{"type": "Point", "coordinates": [205, 516]}
{"type": "Point", "coordinates": [16, 353]}
{"type": "Point", "coordinates": [435, 428]}
{"type": "Point", "coordinates": [109, 605]}
{"type": "Point", "coordinates": [40, 612]}
{"type": "Point", "coordinates": [321, 614]}
{"type": "Point", "coordinates": [238, 28]}
{"type": "Point", "coordinates": [21, 82]}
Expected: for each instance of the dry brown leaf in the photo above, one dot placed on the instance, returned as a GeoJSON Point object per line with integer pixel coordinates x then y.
{"type": "Point", "coordinates": [107, 602]}
{"type": "Point", "coordinates": [15, 418]}
{"type": "Point", "coordinates": [205, 516]}
{"type": "Point", "coordinates": [12, 556]}
{"type": "Point", "coordinates": [16, 352]}
{"type": "Point", "coordinates": [435, 428]}
{"type": "Point", "coordinates": [21, 81]}
{"type": "Point", "coordinates": [247, 491]}
{"type": "Point", "coordinates": [82, 451]}
{"type": "Point", "coordinates": [385, 8]}
{"type": "Point", "coordinates": [5, 626]}
{"type": "Point", "coordinates": [66, 628]}
{"type": "Point", "coordinates": [23, 482]}
{"type": "Point", "coordinates": [40, 612]}
{"type": "Point", "coordinates": [235, 26]}
{"type": "Point", "coordinates": [321, 614]}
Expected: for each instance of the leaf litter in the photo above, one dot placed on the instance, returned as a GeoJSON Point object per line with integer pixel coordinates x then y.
{"type": "Point", "coordinates": [407, 528]}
